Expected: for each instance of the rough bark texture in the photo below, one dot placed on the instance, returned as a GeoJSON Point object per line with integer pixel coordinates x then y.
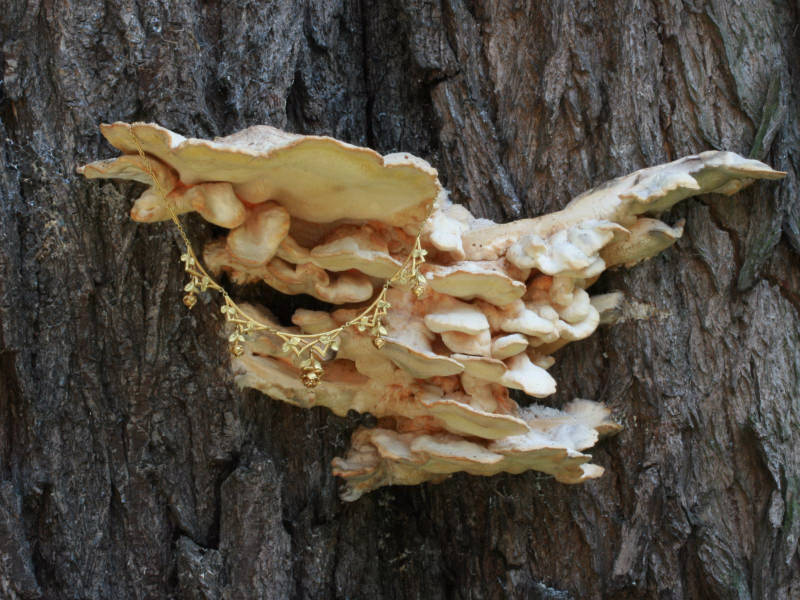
{"type": "Point", "coordinates": [132, 468]}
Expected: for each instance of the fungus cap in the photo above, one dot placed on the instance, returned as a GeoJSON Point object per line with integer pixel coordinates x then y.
{"type": "Point", "coordinates": [316, 178]}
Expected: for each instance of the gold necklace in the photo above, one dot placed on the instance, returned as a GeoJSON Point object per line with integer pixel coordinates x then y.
{"type": "Point", "coordinates": [308, 349]}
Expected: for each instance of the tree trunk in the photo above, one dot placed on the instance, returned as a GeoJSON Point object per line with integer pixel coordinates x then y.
{"type": "Point", "coordinates": [131, 467]}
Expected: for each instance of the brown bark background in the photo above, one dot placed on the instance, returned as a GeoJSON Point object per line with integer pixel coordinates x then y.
{"type": "Point", "coordinates": [130, 466]}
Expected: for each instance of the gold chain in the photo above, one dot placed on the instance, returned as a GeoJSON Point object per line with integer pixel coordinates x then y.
{"type": "Point", "coordinates": [308, 349]}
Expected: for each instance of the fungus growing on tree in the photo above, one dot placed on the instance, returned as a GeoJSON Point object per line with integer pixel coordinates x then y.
{"type": "Point", "coordinates": [490, 305]}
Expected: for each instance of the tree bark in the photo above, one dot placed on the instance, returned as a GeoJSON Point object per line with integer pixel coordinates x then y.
{"type": "Point", "coordinates": [130, 466]}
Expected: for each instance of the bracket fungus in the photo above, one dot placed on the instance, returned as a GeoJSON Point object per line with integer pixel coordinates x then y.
{"type": "Point", "coordinates": [313, 215]}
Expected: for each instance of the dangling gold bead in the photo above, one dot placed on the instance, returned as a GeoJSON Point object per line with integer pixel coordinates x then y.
{"type": "Point", "coordinates": [237, 349]}
{"type": "Point", "coordinates": [419, 290]}
{"type": "Point", "coordinates": [311, 376]}
{"type": "Point", "coordinates": [190, 300]}
{"type": "Point", "coordinates": [379, 342]}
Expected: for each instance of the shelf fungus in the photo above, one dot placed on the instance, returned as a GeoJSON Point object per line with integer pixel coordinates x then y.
{"type": "Point", "coordinates": [481, 312]}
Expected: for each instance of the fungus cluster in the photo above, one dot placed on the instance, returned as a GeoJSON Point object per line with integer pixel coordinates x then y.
{"type": "Point", "coordinates": [313, 215]}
